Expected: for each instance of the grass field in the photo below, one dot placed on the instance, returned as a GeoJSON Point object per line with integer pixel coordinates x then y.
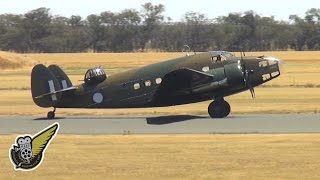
{"type": "Point", "coordinates": [296, 90]}
{"type": "Point", "coordinates": [246, 156]}
{"type": "Point", "coordinates": [252, 156]}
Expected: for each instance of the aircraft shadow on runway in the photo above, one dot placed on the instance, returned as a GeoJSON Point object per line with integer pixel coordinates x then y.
{"type": "Point", "coordinates": [160, 120]}
{"type": "Point", "coordinates": [46, 119]}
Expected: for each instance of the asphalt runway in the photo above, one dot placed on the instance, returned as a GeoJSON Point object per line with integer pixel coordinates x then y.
{"type": "Point", "coordinates": [180, 124]}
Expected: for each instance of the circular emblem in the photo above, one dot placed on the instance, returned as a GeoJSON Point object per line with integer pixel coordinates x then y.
{"type": "Point", "coordinates": [26, 153]}
{"type": "Point", "coordinates": [97, 98]}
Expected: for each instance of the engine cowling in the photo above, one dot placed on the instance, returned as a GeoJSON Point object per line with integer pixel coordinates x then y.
{"type": "Point", "coordinates": [234, 74]}
{"type": "Point", "coordinates": [95, 76]}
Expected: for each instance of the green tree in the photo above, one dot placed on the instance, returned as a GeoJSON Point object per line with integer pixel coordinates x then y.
{"type": "Point", "coordinates": [36, 24]}
{"type": "Point", "coordinates": [152, 17]}
{"type": "Point", "coordinates": [97, 31]}
{"type": "Point", "coordinates": [12, 34]}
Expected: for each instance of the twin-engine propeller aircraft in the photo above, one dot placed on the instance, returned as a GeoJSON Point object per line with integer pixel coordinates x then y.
{"type": "Point", "coordinates": [189, 79]}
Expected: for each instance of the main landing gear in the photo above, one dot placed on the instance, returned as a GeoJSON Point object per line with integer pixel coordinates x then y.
{"type": "Point", "coordinates": [219, 108]}
{"type": "Point", "coordinates": [51, 114]}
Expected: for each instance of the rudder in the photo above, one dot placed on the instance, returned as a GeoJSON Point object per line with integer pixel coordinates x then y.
{"type": "Point", "coordinates": [43, 81]}
{"type": "Point", "coordinates": [61, 76]}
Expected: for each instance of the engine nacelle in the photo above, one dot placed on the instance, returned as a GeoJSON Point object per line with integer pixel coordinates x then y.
{"type": "Point", "coordinates": [95, 76]}
{"type": "Point", "coordinates": [234, 74]}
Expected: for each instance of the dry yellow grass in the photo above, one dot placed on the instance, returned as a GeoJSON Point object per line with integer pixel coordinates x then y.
{"type": "Point", "coordinates": [14, 61]}
{"type": "Point", "coordinates": [284, 94]}
{"type": "Point", "coordinates": [268, 100]}
{"type": "Point", "coordinates": [112, 59]}
{"type": "Point", "coordinates": [299, 68]}
{"type": "Point", "coordinates": [252, 156]}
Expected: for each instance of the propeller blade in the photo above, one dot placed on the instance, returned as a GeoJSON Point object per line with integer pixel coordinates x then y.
{"type": "Point", "coordinates": [248, 83]}
{"type": "Point", "coordinates": [253, 94]}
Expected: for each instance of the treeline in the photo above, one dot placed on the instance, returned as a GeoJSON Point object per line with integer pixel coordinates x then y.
{"type": "Point", "coordinates": [148, 29]}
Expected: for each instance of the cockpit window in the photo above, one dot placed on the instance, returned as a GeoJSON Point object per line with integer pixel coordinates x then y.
{"type": "Point", "coordinates": [223, 53]}
{"type": "Point", "coordinates": [217, 56]}
{"type": "Point", "coordinates": [227, 54]}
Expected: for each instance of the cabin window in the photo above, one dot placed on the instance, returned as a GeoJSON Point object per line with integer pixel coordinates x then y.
{"type": "Point", "coordinates": [272, 62]}
{"type": "Point", "coordinates": [147, 83]}
{"type": "Point", "coordinates": [158, 80]}
{"type": "Point", "coordinates": [136, 86]}
{"type": "Point", "coordinates": [265, 77]}
{"type": "Point", "coordinates": [263, 63]}
{"type": "Point", "coordinates": [206, 68]}
{"type": "Point", "coordinates": [275, 73]}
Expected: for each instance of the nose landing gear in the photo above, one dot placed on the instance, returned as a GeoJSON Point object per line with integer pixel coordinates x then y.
{"type": "Point", "coordinates": [219, 108]}
{"type": "Point", "coordinates": [51, 114]}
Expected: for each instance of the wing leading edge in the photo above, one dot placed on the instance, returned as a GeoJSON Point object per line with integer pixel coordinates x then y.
{"type": "Point", "coordinates": [182, 84]}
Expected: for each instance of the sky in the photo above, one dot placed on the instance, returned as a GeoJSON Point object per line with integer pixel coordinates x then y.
{"type": "Point", "coordinates": [280, 9]}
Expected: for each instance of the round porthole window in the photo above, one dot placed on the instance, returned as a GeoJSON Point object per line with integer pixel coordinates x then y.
{"type": "Point", "coordinates": [97, 98]}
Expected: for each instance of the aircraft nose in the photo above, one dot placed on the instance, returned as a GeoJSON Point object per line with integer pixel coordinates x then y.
{"type": "Point", "coordinates": [275, 64]}
{"type": "Point", "coordinates": [261, 69]}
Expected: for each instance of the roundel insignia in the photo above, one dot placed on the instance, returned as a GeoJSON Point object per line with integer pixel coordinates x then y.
{"type": "Point", "coordinates": [97, 97]}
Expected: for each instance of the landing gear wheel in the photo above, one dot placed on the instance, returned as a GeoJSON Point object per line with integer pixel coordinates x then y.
{"type": "Point", "coordinates": [51, 114]}
{"type": "Point", "coordinates": [227, 108]}
{"type": "Point", "coordinates": [219, 109]}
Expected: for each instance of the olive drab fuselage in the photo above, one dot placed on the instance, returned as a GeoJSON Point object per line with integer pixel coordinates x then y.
{"type": "Point", "coordinates": [139, 87]}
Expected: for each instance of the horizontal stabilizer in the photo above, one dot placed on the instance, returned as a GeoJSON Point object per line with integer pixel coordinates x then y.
{"type": "Point", "coordinates": [55, 92]}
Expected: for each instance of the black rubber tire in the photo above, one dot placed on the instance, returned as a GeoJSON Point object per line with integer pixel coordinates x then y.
{"type": "Point", "coordinates": [50, 115]}
{"type": "Point", "coordinates": [215, 110]}
{"type": "Point", "coordinates": [219, 109]}
{"type": "Point", "coordinates": [227, 108]}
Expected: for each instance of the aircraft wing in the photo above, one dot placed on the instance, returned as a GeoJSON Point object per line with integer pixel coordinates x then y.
{"type": "Point", "coordinates": [183, 84]}
{"type": "Point", "coordinates": [185, 81]}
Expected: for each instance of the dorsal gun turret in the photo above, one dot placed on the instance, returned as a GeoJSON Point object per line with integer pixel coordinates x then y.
{"type": "Point", "coordinates": [95, 76]}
